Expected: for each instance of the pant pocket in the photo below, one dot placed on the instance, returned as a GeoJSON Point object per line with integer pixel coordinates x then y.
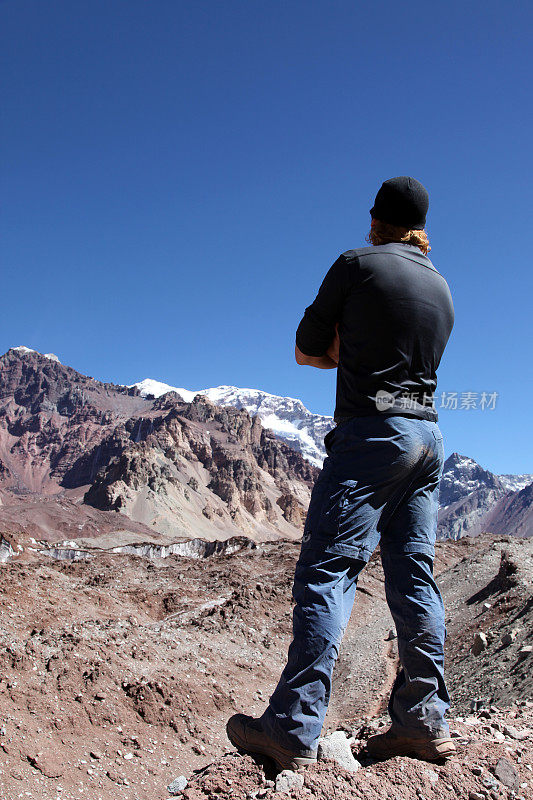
{"type": "Point", "coordinates": [328, 440]}
{"type": "Point", "coordinates": [348, 525]}
{"type": "Point", "coordinates": [337, 507]}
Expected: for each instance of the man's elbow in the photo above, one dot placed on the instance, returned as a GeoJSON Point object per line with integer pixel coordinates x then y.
{"type": "Point", "coordinates": [303, 360]}
{"type": "Point", "coordinates": [300, 357]}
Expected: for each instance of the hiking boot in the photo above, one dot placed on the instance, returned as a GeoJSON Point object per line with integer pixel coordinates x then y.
{"type": "Point", "coordinates": [390, 744]}
{"type": "Point", "coordinates": [246, 733]}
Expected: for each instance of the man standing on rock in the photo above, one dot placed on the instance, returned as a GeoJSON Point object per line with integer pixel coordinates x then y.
{"type": "Point", "coordinates": [383, 316]}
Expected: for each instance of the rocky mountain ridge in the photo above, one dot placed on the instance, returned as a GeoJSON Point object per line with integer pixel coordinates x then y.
{"type": "Point", "coordinates": [173, 470]}
{"type": "Point", "coordinates": [176, 465]}
{"type": "Point", "coordinates": [472, 499]}
{"type": "Point", "coordinates": [287, 417]}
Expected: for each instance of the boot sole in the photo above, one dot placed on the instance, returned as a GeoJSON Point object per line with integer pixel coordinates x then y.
{"type": "Point", "coordinates": [281, 758]}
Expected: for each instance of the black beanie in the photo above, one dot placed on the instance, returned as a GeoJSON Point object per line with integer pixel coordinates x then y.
{"type": "Point", "coordinates": [402, 201]}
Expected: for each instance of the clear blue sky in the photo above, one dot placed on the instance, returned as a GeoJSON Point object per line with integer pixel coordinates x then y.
{"type": "Point", "coordinates": [179, 176]}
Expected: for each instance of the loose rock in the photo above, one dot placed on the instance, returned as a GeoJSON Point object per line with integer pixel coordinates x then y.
{"type": "Point", "coordinates": [337, 747]}
{"type": "Point", "coordinates": [506, 773]}
{"type": "Point", "coordinates": [514, 733]}
{"type": "Point", "coordinates": [480, 643]}
{"type": "Point", "coordinates": [509, 637]}
{"type": "Point", "coordinates": [177, 785]}
{"type": "Point", "coordinates": [287, 780]}
{"type": "Point", "coordinates": [49, 764]}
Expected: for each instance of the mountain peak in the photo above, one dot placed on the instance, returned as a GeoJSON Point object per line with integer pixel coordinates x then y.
{"type": "Point", "coordinates": [459, 460]}
{"type": "Point", "coordinates": [22, 350]}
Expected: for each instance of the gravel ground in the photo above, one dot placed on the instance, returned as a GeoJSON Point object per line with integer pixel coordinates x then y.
{"type": "Point", "coordinates": [118, 674]}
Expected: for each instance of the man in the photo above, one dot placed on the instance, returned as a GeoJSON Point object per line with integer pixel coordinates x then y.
{"type": "Point", "coordinates": [383, 316]}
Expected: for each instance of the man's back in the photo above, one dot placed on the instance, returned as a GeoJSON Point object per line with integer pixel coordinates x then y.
{"type": "Point", "coordinates": [379, 484]}
{"type": "Point", "coordinates": [395, 316]}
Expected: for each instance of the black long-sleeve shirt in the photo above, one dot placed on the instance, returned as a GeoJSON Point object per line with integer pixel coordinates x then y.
{"type": "Point", "coordinates": [395, 316]}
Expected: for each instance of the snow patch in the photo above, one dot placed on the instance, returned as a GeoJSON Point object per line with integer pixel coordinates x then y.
{"type": "Point", "coordinates": [158, 389]}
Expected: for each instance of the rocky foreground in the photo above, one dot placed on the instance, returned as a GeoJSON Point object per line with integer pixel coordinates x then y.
{"type": "Point", "coordinates": [494, 760]}
{"type": "Point", "coordinates": [118, 673]}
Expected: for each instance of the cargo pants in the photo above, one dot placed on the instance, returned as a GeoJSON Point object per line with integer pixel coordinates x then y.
{"type": "Point", "coordinates": [379, 485]}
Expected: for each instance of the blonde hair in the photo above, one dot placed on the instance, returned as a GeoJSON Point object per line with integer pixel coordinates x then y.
{"type": "Point", "coordinates": [384, 233]}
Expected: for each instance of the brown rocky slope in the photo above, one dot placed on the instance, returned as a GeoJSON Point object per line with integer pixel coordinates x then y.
{"type": "Point", "coordinates": [160, 470]}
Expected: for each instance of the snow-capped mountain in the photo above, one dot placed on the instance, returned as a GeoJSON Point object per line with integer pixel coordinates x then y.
{"type": "Point", "coordinates": [74, 431]}
{"type": "Point", "coordinates": [470, 496]}
{"type": "Point", "coordinates": [287, 417]}
{"type": "Point", "coordinates": [462, 476]}
{"type": "Point", "coordinates": [516, 482]}
{"type": "Point", "coordinates": [74, 451]}
{"type": "Point", "coordinates": [473, 500]}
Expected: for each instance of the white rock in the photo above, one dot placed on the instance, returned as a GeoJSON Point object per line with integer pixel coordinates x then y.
{"type": "Point", "coordinates": [432, 775]}
{"type": "Point", "coordinates": [287, 780]}
{"type": "Point", "coordinates": [177, 785]}
{"type": "Point", "coordinates": [337, 747]}
{"type": "Point", "coordinates": [514, 733]}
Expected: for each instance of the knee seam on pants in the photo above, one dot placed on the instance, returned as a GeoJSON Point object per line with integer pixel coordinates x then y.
{"type": "Point", "coordinates": [411, 548]}
{"type": "Point", "coordinates": [352, 551]}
